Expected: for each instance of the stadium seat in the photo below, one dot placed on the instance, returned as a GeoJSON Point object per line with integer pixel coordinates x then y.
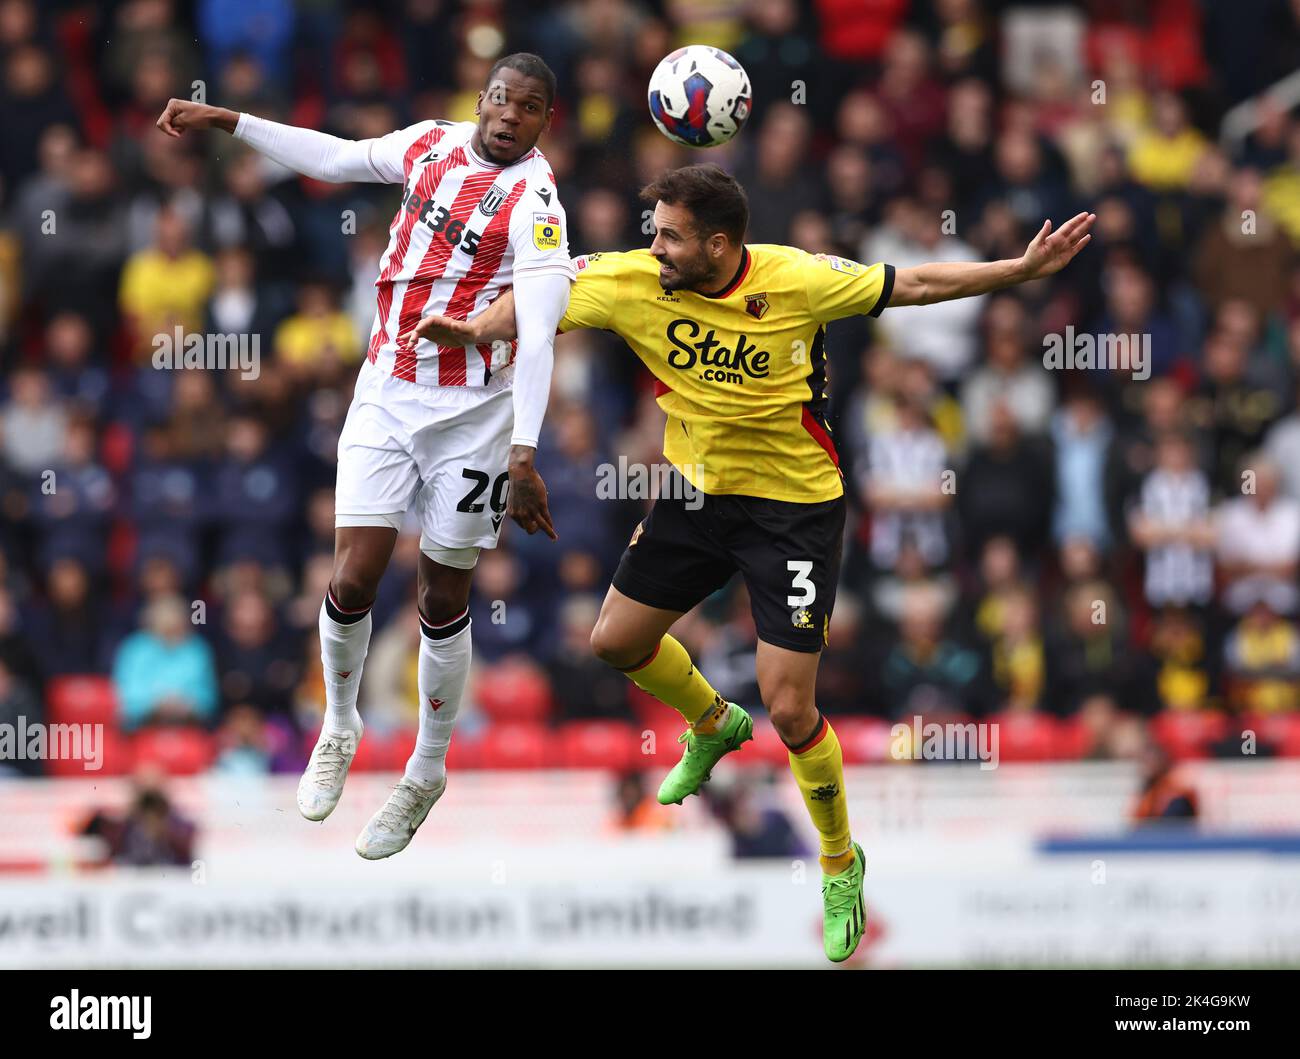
{"type": "Point", "coordinates": [599, 744]}
{"type": "Point", "coordinates": [864, 740]}
{"type": "Point", "coordinates": [1280, 730]}
{"type": "Point", "coordinates": [81, 700]}
{"type": "Point", "coordinates": [1025, 736]}
{"type": "Point", "coordinates": [766, 749]}
{"type": "Point", "coordinates": [465, 752]}
{"type": "Point", "coordinates": [515, 745]}
{"type": "Point", "coordinates": [1072, 740]}
{"type": "Point", "coordinates": [1189, 733]}
{"type": "Point", "coordinates": [512, 692]}
{"type": "Point", "coordinates": [117, 758]}
{"type": "Point", "coordinates": [178, 751]}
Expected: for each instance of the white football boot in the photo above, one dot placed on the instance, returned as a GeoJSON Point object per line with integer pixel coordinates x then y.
{"type": "Point", "coordinates": [321, 785]}
{"type": "Point", "coordinates": [391, 829]}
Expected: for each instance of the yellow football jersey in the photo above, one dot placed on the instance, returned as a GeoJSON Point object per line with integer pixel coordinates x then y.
{"type": "Point", "coordinates": [741, 373]}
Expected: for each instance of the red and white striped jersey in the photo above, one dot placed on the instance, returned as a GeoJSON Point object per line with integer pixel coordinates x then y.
{"type": "Point", "coordinates": [465, 227]}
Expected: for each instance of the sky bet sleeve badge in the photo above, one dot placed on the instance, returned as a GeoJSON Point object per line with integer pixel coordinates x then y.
{"type": "Point", "coordinates": [546, 231]}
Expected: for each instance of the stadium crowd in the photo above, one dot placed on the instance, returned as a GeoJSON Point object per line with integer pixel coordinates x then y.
{"type": "Point", "coordinates": [1111, 546]}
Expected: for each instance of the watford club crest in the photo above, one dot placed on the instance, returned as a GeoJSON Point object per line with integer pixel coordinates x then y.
{"type": "Point", "coordinates": [756, 305]}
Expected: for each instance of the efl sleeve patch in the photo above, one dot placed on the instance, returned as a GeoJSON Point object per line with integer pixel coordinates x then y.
{"type": "Point", "coordinates": [546, 231]}
{"type": "Point", "coordinates": [843, 264]}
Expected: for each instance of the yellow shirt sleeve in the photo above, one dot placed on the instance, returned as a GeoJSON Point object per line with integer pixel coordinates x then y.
{"type": "Point", "coordinates": [594, 292]}
{"type": "Point", "coordinates": [838, 287]}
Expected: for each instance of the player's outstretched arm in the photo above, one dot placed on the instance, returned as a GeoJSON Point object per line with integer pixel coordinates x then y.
{"type": "Point", "coordinates": [306, 151]}
{"type": "Point", "coordinates": [496, 323]}
{"type": "Point", "coordinates": [942, 281]}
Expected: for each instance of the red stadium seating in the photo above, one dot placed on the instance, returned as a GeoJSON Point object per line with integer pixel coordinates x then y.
{"type": "Point", "coordinates": [766, 749]}
{"type": "Point", "coordinates": [118, 758]}
{"type": "Point", "coordinates": [599, 744]}
{"type": "Point", "coordinates": [1281, 730]}
{"type": "Point", "coordinates": [1026, 736]}
{"type": "Point", "coordinates": [511, 692]}
{"type": "Point", "coordinates": [178, 751]}
{"type": "Point", "coordinates": [515, 745]}
{"type": "Point", "coordinates": [81, 700]}
{"type": "Point", "coordinates": [1189, 733]}
{"type": "Point", "coordinates": [1072, 740]}
{"type": "Point", "coordinates": [863, 740]}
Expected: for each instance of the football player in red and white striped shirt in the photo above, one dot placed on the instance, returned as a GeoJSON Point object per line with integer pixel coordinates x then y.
{"type": "Point", "coordinates": [451, 428]}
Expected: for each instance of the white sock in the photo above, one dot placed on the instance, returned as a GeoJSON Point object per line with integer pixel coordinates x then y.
{"type": "Point", "coordinates": [444, 668]}
{"type": "Point", "coordinates": [343, 647]}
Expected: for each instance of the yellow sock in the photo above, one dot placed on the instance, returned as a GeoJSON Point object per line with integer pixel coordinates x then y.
{"type": "Point", "coordinates": [670, 676]}
{"type": "Point", "coordinates": [818, 767]}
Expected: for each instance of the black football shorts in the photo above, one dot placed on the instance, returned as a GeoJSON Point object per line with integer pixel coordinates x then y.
{"type": "Point", "coordinates": [691, 543]}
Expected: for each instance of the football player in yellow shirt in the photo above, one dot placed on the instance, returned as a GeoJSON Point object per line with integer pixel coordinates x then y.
{"type": "Point", "coordinates": [734, 335]}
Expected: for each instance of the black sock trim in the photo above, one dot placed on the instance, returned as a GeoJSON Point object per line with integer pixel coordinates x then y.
{"type": "Point", "coordinates": [344, 617]}
{"type": "Point", "coordinates": [447, 629]}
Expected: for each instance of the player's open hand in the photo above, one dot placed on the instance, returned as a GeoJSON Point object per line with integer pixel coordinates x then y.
{"type": "Point", "coordinates": [1051, 250]}
{"type": "Point", "coordinates": [527, 500]}
{"type": "Point", "coordinates": [443, 330]}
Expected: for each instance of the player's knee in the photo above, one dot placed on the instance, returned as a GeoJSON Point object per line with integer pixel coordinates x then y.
{"type": "Point", "coordinates": [440, 603]}
{"type": "Point", "coordinates": [352, 590]}
{"type": "Point", "coordinates": [613, 648]}
{"type": "Point", "coordinates": [792, 713]}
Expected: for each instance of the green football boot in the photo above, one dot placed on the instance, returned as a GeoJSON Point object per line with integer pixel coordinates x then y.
{"type": "Point", "coordinates": [844, 915]}
{"type": "Point", "coordinates": [702, 753]}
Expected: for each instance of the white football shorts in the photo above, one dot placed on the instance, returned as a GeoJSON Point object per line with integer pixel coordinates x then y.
{"type": "Point", "coordinates": [443, 448]}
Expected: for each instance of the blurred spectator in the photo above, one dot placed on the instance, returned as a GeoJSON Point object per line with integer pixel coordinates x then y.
{"type": "Point", "coordinates": [256, 660]}
{"type": "Point", "coordinates": [1262, 663]}
{"type": "Point", "coordinates": [1006, 489]}
{"type": "Point", "coordinates": [34, 424]}
{"type": "Point", "coordinates": [165, 672]}
{"type": "Point", "coordinates": [902, 481]}
{"type": "Point", "coordinates": [167, 285]}
{"type": "Point", "coordinates": [584, 686]}
{"type": "Point", "coordinates": [1172, 524]}
{"type": "Point", "coordinates": [1165, 796]}
{"type": "Point", "coordinates": [150, 834]}
{"type": "Point", "coordinates": [1259, 544]}
{"type": "Point", "coordinates": [927, 672]}
{"type": "Point", "coordinates": [20, 705]}
{"type": "Point", "coordinates": [69, 628]}
{"type": "Point", "coordinates": [942, 334]}
{"type": "Point", "coordinates": [1008, 377]}
{"type": "Point", "coordinates": [635, 809]}
{"type": "Point", "coordinates": [1082, 435]}
{"type": "Point", "coordinates": [1088, 653]}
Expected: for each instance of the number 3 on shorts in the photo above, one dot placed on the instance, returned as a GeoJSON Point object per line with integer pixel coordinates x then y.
{"type": "Point", "coordinates": [801, 568]}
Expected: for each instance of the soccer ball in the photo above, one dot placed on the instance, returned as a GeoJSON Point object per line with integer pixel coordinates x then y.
{"type": "Point", "coordinates": [699, 96]}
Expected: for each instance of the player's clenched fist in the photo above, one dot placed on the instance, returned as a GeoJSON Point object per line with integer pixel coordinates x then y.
{"type": "Point", "coordinates": [182, 114]}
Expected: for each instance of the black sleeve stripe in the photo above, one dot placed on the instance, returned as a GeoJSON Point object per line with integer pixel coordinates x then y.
{"type": "Point", "coordinates": [886, 291]}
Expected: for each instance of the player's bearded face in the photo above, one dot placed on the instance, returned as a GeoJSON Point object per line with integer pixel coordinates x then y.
{"type": "Point", "coordinates": [512, 114]}
{"type": "Point", "coordinates": [685, 266]}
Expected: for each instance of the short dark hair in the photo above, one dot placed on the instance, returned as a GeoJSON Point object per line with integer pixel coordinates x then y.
{"type": "Point", "coordinates": [530, 65]}
{"type": "Point", "coordinates": [715, 198]}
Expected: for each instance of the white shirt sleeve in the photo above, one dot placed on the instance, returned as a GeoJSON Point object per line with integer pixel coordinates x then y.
{"type": "Point", "coordinates": [324, 157]}
{"type": "Point", "coordinates": [541, 296]}
{"type": "Point", "coordinates": [539, 231]}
